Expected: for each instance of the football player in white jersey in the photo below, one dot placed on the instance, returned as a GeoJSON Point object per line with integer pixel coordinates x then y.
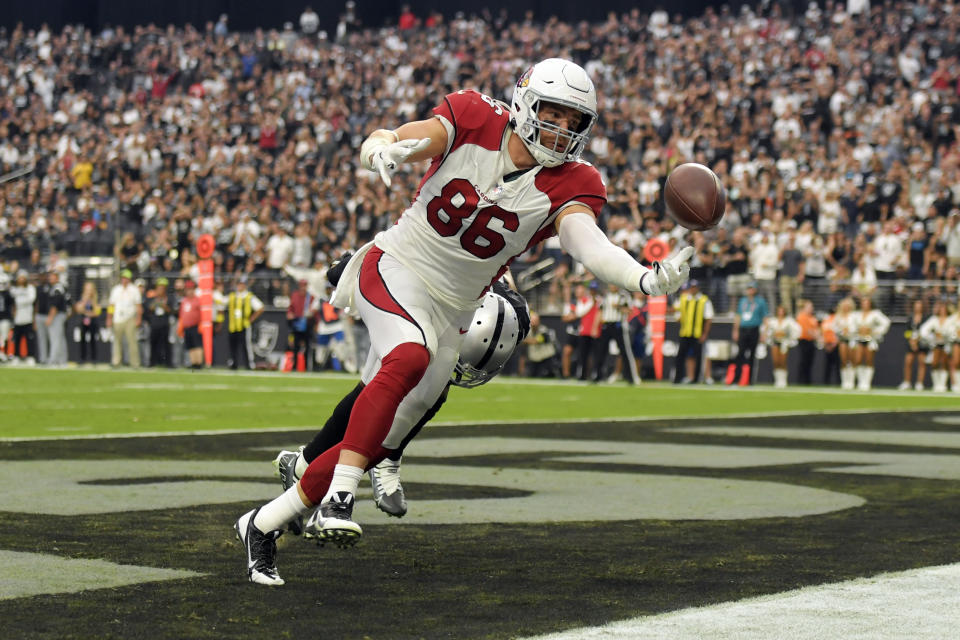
{"type": "Point", "coordinates": [494, 332]}
{"type": "Point", "coordinates": [502, 178]}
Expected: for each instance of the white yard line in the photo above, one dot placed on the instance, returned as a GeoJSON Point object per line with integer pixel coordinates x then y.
{"type": "Point", "coordinates": [483, 423]}
{"type": "Point", "coordinates": [919, 604]}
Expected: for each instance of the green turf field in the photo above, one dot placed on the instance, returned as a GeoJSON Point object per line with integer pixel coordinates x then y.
{"type": "Point", "coordinates": [538, 508]}
{"type": "Point", "coordinates": [45, 403]}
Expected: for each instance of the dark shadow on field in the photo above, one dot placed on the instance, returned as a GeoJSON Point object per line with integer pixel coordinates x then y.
{"type": "Point", "coordinates": [479, 581]}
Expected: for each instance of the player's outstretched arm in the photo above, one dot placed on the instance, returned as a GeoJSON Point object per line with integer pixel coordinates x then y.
{"type": "Point", "coordinates": [384, 151]}
{"type": "Point", "coordinates": [582, 239]}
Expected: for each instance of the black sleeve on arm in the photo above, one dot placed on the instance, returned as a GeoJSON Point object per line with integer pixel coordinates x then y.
{"type": "Point", "coordinates": [519, 304]}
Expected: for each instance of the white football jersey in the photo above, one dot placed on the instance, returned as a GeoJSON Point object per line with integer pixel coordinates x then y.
{"type": "Point", "coordinates": [467, 223]}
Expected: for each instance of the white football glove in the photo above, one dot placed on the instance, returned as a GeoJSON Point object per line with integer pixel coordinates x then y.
{"type": "Point", "coordinates": [386, 158]}
{"type": "Point", "coordinates": [667, 276]}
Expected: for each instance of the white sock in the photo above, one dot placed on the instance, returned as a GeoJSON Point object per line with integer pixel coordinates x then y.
{"type": "Point", "coordinates": [284, 508]}
{"type": "Point", "coordinates": [301, 467]}
{"type": "Point", "coordinates": [345, 478]}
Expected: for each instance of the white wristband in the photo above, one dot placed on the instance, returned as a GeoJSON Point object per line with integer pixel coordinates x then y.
{"type": "Point", "coordinates": [373, 144]}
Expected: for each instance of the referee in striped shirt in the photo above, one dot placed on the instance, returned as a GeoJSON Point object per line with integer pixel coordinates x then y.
{"type": "Point", "coordinates": [614, 307]}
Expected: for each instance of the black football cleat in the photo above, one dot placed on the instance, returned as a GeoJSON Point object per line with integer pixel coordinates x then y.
{"type": "Point", "coordinates": [261, 550]}
{"type": "Point", "coordinates": [336, 520]}
{"type": "Point", "coordinates": [286, 464]}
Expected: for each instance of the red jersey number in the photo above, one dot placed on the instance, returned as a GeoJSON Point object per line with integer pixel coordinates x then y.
{"type": "Point", "coordinates": [447, 218]}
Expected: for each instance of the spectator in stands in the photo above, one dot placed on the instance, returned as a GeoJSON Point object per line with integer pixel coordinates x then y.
{"type": "Point", "coordinates": [863, 280]}
{"type": "Point", "coordinates": [917, 254]}
{"type": "Point", "coordinates": [175, 166]}
{"type": "Point", "coordinates": [952, 238]}
{"type": "Point", "coordinates": [309, 21]}
{"type": "Point", "coordinates": [407, 18]}
{"type": "Point", "coordinates": [764, 259]}
{"type": "Point", "coordinates": [124, 314]}
{"type": "Point", "coordinates": [88, 308]}
{"type": "Point", "coordinates": [792, 273]}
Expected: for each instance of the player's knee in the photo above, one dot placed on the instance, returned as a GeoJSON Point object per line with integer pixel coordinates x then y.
{"type": "Point", "coordinates": [406, 364]}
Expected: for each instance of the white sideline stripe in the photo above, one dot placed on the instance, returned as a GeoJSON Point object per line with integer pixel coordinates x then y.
{"type": "Point", "coordinates": [656, 384]}
{"type": "Point", "coordinates": [918, 604]}
{"type": "Point", "coordinates": [486, 423]}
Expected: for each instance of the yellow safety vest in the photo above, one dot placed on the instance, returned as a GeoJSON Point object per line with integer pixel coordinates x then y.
{"type": "Point", "coordinates": [239, 311]}
{"type": "Point", "coordinates": [691, 315]}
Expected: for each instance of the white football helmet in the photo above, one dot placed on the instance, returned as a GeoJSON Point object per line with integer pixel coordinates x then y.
{"type": "Point", "coordinates": [561, 82]}
{"type": "Point", "coordinates": [4, 282]}
{"type": "Point", "coordinates": [488, 343]}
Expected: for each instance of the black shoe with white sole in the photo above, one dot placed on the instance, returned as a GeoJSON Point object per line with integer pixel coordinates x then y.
{"type": "Point", "coordinates": [286, 464]}
{"type": "Point", "coordinates": [336, 520]}
{"type": "Point", "coordinates": [261, 550]}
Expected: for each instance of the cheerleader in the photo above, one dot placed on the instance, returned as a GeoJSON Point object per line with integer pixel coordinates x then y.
{"type": "Point", "coordinates": [935, 332]}
{"type": "Point", "coordinates": [869, 327]}
{"type": "Point", "coordinates": [953, 334]}
{"type": "Point", "coordinates": [916, 348]}
{"type": "Point", "coordinates": [843, 325]}
{"type": "Point", "coordinates": [780, 332]}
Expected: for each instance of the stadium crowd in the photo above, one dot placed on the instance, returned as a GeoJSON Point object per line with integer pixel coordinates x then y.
{"type": "Point", "coordinates": [834, 130]}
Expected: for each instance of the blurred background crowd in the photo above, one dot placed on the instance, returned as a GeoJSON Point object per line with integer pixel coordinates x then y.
{"type": "Point", "coordinates": [833, 128]}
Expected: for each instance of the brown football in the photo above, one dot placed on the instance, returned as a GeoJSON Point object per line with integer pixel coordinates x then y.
{"type": "Point", "coordinates": [694, 196]}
